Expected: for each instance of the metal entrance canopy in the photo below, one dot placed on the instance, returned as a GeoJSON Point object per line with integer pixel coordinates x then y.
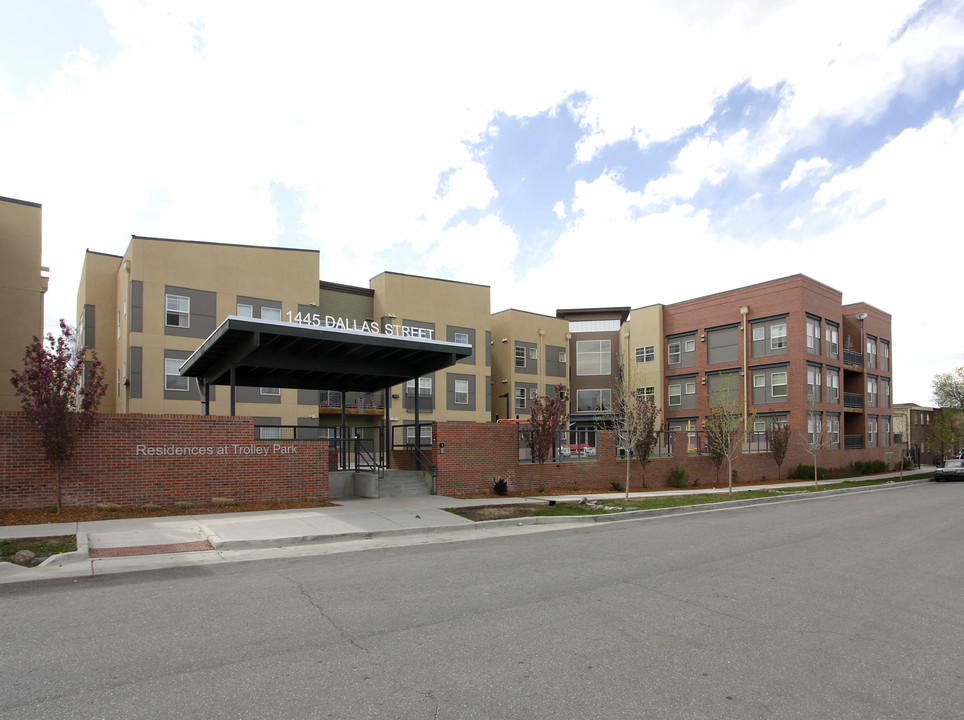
{"type": "Point", "coordinates": [270, 353]}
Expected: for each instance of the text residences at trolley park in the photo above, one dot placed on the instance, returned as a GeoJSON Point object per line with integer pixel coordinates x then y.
{"type": "Point", "coordinates": [199, 450]}
{"type": "Point", "coordinates": [374, 327]}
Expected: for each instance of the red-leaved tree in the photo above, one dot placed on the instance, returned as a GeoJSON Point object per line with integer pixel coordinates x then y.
{"type": "Point", "coordinates": [547, 415]}
{"type": "Point", "coordinates": [59, 390]}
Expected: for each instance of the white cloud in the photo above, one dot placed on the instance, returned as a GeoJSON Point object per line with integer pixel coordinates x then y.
{"type": "Point", "coordinates": [803, 169]}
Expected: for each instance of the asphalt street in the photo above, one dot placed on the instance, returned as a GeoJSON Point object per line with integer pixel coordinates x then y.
{"type": "Point", "coordinates": [849, 606]}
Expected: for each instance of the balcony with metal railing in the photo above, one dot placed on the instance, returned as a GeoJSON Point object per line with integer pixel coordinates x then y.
{"type": "Point", "coordinates": [853, 402]}
{"type": "Point", "coordinates": [356, 403]}
{"type": "Point", "coordinates": [853, 360]}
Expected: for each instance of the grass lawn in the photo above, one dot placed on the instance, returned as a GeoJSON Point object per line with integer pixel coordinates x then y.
{"type": "Point", "coordinates": [39, 546]}
{"type": "Point", "coordinates": [602, 507]}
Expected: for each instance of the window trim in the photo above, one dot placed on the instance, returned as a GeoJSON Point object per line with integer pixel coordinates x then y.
{"type": "Point", "coordinates": [678, 395]}
{"type": "Point", "coordinates": [520, 357]}
{"type": "Point", "coordinates": [168, 312]}
{"type": "Point", "coordinates": [647, 355]}
{"type": "Point", "coordinates": [778, 340]}
{"type": "Point", "coordinates": [176, 365]}
{"type": "Point", "coordinates": [774, 385]}
{"type": "Point", "coordinates": [461, 392]}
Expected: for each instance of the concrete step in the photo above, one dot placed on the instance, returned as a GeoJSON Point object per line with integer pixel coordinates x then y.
{"type": "Point", "coordinates": [404, 483]}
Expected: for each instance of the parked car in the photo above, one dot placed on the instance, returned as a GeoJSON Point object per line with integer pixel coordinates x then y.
{"type": "Point", "coordinates": [952, 470]}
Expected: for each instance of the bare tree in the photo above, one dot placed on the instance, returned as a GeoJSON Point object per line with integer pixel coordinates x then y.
{"type": "Point", "coordinates": [634, 420]}
{"type": "Point", "coordinates": [725, 426]}
{"type": "Point", "coordinates": [816, 439]}
{"type": "Point", "coordinates": [778, 440]}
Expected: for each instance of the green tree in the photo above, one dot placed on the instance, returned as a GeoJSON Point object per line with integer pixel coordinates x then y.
{"type": "Point", "coordinates": [59, 390]}
{"type": "Point", "coordinates": [948, 389]}
{"type": "Point", "coordinates": [816, 439]}
{"type": "Point", "coordinates": [547, 416]}
{"type": "Point", "coordinates": [943, 432]}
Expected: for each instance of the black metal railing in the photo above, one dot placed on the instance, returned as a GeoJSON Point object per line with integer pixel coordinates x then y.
{"type": "Point", "coordinates": [294, 432]}
{"type": "Point", "coordinates": [853, 358]}
{"type": "Point", "coordinates": [853, 442]}
{"type": "Point", "coordinates": [568, 445]}
{"type": "Point", "coordinates": [853, 401]}
{"type": "Point", "coordinates": [353, 400]}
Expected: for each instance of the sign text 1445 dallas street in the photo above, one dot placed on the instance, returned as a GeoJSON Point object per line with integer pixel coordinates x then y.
{"type": "Point", "coordinates": [373, 326]}
{"type": "Point", "coordinates": [207, 450]}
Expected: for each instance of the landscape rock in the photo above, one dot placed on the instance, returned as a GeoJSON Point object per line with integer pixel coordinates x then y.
{"type": "Point", "coordinates": [23, 557]}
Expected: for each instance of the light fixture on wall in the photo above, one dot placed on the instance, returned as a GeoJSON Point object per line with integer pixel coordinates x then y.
{"type": "Point", "coordinates": [505, 339]}
{"type": "Point", "coordinates": [703, 338]}
{"type": "Point", "coordinates": [703, 381]}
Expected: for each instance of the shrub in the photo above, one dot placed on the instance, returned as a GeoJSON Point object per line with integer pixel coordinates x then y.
{"type": "Point", "coordinates": [500, 486]}
{"type": "Point", "coordinates": [222, 502]}
{"type": "Point", "coordinates": [151, 506]}
{"type": "Point", "coordinates": [183, 504]}
{"type": "Point", "coordinates": [805, 472]}
{"type": "Point", "coordinates": [616, 485]}
{"type": "Point", "coordinates": [108, 506]}
{"type": "Point", "coordinates": [909, 464]}
{"type": "Point", "coordinates": [677, 477]}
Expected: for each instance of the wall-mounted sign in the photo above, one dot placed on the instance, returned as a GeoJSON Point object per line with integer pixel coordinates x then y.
{"type": "Point", "coordinates": [374, 327]}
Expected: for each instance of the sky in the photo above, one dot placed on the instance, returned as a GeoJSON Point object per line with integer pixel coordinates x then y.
{"type": "Point", "coordinates": [623, 154]}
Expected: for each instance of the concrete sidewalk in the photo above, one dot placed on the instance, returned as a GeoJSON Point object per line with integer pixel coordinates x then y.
{"type": "Point", "coordinates": [109, 546]}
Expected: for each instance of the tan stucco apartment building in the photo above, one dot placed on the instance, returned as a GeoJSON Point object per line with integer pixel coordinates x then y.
{"type": "Point", "coordinates": [794, 350]}
{"type": "Point", "coordinates": [23, 283]}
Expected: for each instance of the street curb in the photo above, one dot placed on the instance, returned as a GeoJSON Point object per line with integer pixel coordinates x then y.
{"type": "Point", "coordinates": [558, 520]}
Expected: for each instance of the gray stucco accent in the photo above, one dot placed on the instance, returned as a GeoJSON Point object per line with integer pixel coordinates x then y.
{"type": "Point", "coordinates": [203, 312]}
{"type": "Point", "coordinates": [136, 318]}
{"type": "Point", "coordinates": [135, 371]}
{"type": "Point", "coordinates": [531, 366]}
{"type": "Point", "coordinates": [451, 330]}
{"type": "Point", "coordinates": [450, 403]}
{"type": "Point", "coordinates": [488, 348]}
{"type": "Point", "coordinates": [554, 366]}
{"type": "Point", "coordinates": [247, 394]}
{"type": "Point", "coordinates": [722, 345]}
{"type": "Point", "coordinates": [308, 397]}
{"type": "Point", "coordinates": [90, 337]}
{"type": "Point", "coordinates": [257, 304]}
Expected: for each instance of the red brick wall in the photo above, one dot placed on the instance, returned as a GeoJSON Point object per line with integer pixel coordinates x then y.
{"type": "Point", "coordinates": [475, 454]}
{"type": "Point", "coordinates": [114, 463]}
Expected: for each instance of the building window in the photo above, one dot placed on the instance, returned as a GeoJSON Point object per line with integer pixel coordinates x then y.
{"type": "Point", "coordinates": [270, 391]}
{"type": "Point", "coordinates": [833, 432]}
{"type": "Point", "coordinates": [778, 384]}
{"type": "Point", "coordinates": [245, 310]}
{"type": "Point", "coordinates": [520, 356]}
{"type": "Point", "coordinates": [871, 392]}
{"type": "Point", "coordinates": [521, 398]}
{"type": "Point", "coordinates": [424, 387]}
{"type": "Point", "coordinates": [674, 353]}
{"type": "Point", "coordinates": [833, 386]}
{"type": "Point", "coordinates": [461, 392]}
{"type": "Point", "coordinates": [759, 332]}
{"type": "Point", "coordinates": [593, 326]}
{"type": "Point", "coordinates": [594, 400]}
{"type": "Point", "coordinates": [778, 336]}
{"type": "Point", "coordinates": [562, 356]}
{"type": "Point", "coordinates": [647, 393]}
{"type": "Point", "coordinates": [178, 311]}
{"type": "Point", "coordinates": [813, 383]}
{"type": "Point", "coordinates": [814, 428]}
{"type": "Point", "coordinates": [813, 336]}
{"type": "Point", "coordinates": [675, 395]}
{"type": "Point", "coordinates": [270, 313]}
{"type": "Point", "coordinates": [462, 338]}
{"type": "Point", "coordinates": [759, 380]}
{"type": "Point", "coordinates": [593, 357]}
{"type": "Point", "coordinates": [690, 388]}
{"type": "Point", "coordinates": [884, 393]}
{"type": "Point", "coordinates": [689, 346]}
{"type": "Point", "coordinates": [173, 380]}
{"type": "Point", "coordinates": [884, 355]}
{"type": "Point", "coordinates": [424, 434]}
{"type": "Point", "coordinates": [884, 431]}
{"type": "Point", "coordinates": [872, 432]}
{"type": "Point", "coordinates": [832, 339]}
{"type": "Point", "coordinates": [646, 354]}
{"type": "Point", "coordinates": [871, 352]}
